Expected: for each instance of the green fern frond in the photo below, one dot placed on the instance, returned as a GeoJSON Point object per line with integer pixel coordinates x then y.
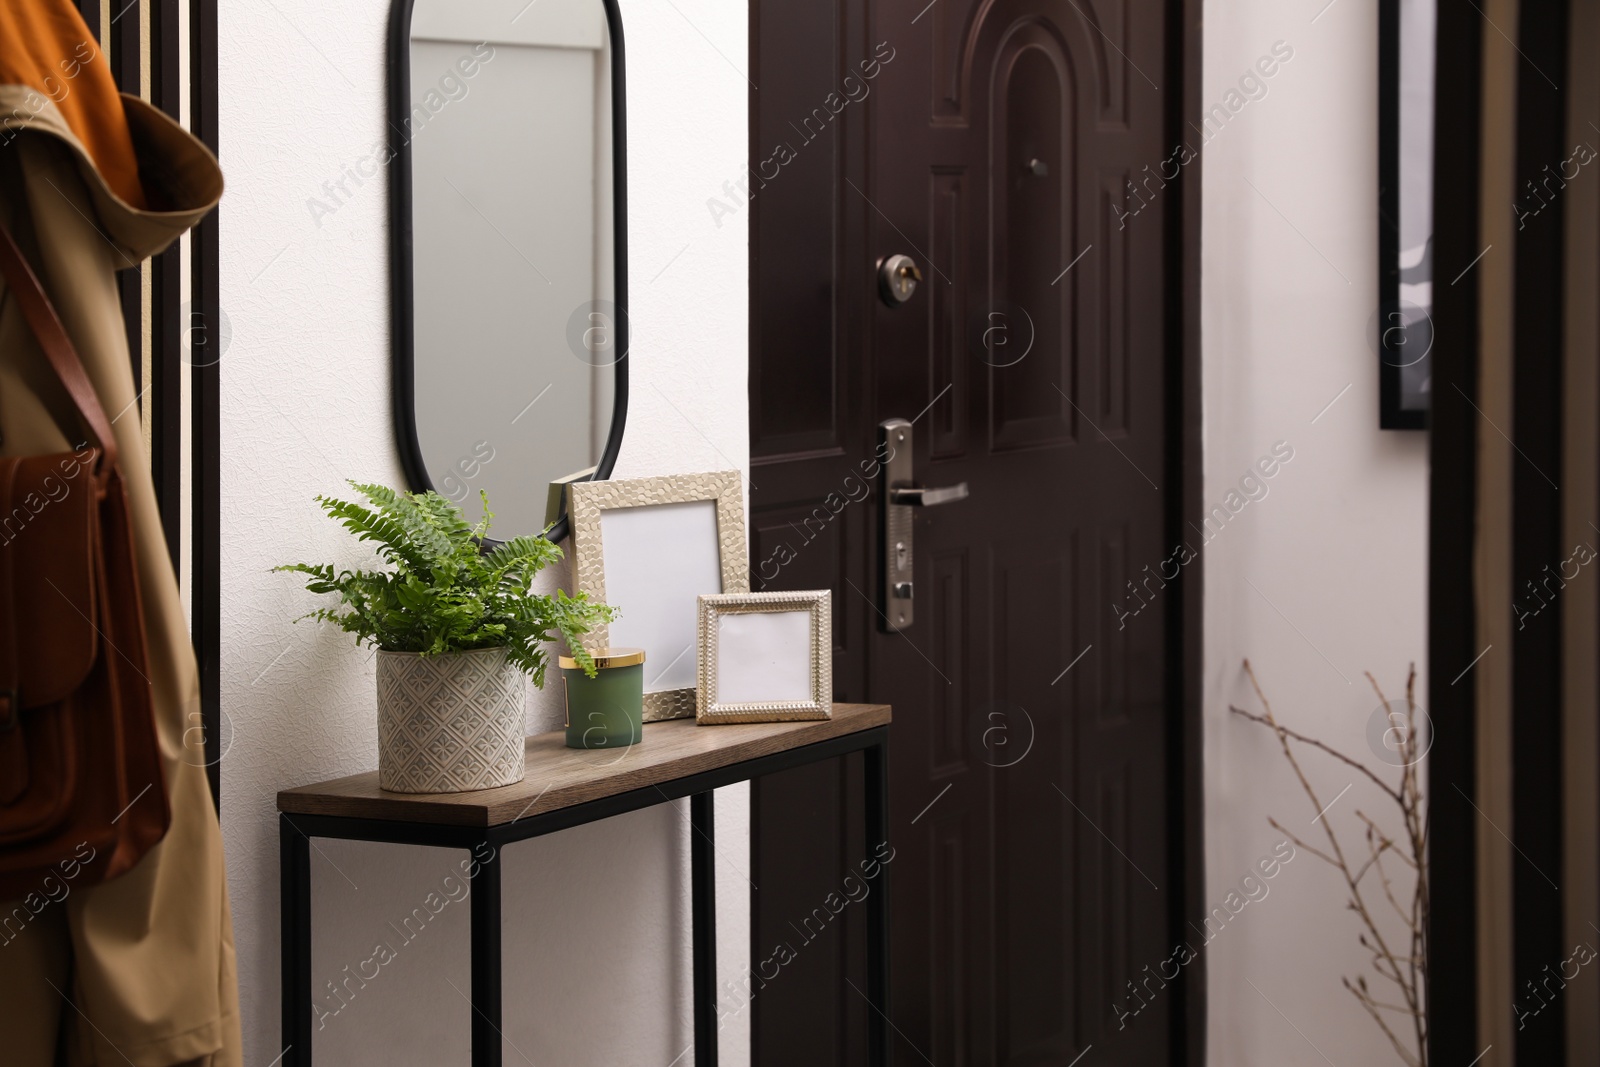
{"type": "Point", "coordinates": [393, 543]}
{"type": "Point", "coordinates": [442, 517]}
{"type": "Point", "coordinates": [481, 530]}
{"type": "Point", "coordinates": [441, 593]}
{"type": "Point", "coordinates": [381, 496]}
{"type": "Point", "coordinates": [411, 512]}
{"type": "Point", "coordinates": [529, 554]}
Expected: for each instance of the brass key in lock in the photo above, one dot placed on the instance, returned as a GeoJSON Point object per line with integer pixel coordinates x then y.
{"type": "Point", "coordinates": [898, 276]}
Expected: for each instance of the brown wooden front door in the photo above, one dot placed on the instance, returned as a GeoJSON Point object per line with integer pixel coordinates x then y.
{"type": "Point", "coordinates": [1014, 150]}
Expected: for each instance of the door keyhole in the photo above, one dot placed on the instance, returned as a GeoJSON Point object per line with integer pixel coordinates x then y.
{"type": "Point", "coordinates": [897, 279]}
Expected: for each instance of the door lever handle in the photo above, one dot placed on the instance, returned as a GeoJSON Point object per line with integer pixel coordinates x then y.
{"type": "Point", "coordinates": [915, 496]}
{"type": "Point", "coordinates": [898, 530]}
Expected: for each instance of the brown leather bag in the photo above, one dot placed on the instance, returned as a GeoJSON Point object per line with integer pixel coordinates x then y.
{"type": "Point", "coordinates": [82, 791]}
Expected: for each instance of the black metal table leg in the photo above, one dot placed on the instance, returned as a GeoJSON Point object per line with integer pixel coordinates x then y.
{"type": "Point", "coordinates": [486, 969]}
{"type": "Point", "coordinates": [294, 906]}
{"type": "Point", "coordinates": [876, 758]}
{"type": "Point", "coordinates": [702, 846]}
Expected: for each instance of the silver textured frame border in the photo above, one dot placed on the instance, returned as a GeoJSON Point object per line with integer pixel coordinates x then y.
{"type": "Point", "coordinates": [589, 499]}
{"type": "Point", "coordinates": [819, 603]}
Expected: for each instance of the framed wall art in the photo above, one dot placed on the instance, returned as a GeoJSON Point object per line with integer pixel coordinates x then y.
{"type": "Point", "coordinates": [765, 657]}
{"type": "Point", "coordinates": [650, 547]}
{"type": "Point", "coordinates": [1402, 329]}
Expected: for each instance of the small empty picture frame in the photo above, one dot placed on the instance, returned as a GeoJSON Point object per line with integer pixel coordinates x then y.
{"type": "Point", "coordinates": [649, 547]}
{"type": "Point", "coordinates": [765, 657]}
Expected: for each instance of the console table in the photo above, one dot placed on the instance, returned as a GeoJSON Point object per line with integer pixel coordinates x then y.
{"type": "Point", "coordinates": [568, 787]}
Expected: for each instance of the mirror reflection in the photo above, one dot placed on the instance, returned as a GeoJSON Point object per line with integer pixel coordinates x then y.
{"type": "Point", "coordinates": [512, 257]}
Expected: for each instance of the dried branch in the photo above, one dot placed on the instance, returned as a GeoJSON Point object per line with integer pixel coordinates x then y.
{"type": "Point", "coordinates": [1406, 969]}
{"type": "Point", "coordinates": [1323, 856]}
{"type": "Point", "coordinates": [1368, 1003]}
{"type": "Point", "coordinates": [1383, 875]}
{"type": "Point", "coordinates": [1373, 827]}
{"type": "Point", "coordinates": [1283, 732]}
{"type": "Point", "coordinates": [1372, 860]}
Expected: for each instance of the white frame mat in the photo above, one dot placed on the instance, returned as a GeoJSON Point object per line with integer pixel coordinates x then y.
{"type": "Point", "coordinates": [760, 664]}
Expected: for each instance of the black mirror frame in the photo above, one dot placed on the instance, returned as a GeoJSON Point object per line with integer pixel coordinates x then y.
{"type": "Point", "coordinates": [401, 297]}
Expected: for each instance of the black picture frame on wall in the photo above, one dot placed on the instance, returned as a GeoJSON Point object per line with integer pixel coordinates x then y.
{"type": "Point", "coordinates": [1401, 331]}
{"type": "Point", "coordinates": [401, 245]}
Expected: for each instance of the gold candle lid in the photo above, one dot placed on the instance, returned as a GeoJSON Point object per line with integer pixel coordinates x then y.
{"type": "Point", "coordinates": [607, 657]}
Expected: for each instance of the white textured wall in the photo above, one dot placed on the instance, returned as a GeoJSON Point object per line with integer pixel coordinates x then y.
{"type": "Point", "coordinates": [597, 951]}
{"type": "Point", "coordinates": [1324, 578]}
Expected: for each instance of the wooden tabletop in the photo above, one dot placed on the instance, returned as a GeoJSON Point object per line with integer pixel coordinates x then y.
{"type": "Point", "coordinates": [561, 777]}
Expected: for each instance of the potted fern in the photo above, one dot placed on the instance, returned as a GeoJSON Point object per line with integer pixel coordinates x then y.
{"type": "Point", "coordinates": [456, 630]}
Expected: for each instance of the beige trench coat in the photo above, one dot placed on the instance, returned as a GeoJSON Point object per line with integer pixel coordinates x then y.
{"type": "Point", "coordinates": [140, 969]}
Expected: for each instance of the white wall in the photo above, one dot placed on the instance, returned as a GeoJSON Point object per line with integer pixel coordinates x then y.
{"type": "Point", "coordinates": [1324, 578]}
{"type": "Point", "coordinates": [597, 951]}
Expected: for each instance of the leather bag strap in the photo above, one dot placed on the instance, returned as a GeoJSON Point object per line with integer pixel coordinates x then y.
{"type": "Point", "coordinates": [55, 343]}
{"type": "Point", "coordinates": [10, 702]}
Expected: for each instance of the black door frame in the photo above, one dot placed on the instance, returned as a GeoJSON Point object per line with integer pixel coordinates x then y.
{"type": "Point", "coordinates": [1461, 594]}
{"type": "Point", "coordinates": [1186, 468]}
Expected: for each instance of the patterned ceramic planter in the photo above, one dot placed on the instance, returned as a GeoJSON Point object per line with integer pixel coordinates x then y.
{"type": "Point", "coordinates": [448, 723]}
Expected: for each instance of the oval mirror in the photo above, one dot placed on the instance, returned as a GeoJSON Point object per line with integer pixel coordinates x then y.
{"type": "Point", "coordinates": [509, 250]}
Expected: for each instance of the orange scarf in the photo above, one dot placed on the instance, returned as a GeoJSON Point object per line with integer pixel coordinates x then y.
{"type": "Point", "coordinates": [45, 45]}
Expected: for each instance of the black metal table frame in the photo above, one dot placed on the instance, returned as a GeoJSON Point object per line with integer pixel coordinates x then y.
{"type": "Point", "coordinates": [295, 832]}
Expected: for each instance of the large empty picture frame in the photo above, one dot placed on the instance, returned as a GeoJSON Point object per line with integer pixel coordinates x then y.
{"type": "Point", "coordinates": [650, 547]}
{"type": "Point", "coordinates": [765, 657]}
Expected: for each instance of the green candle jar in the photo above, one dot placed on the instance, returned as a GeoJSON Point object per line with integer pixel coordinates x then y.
{"type": "Point", "coordinates": [606, 711]}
